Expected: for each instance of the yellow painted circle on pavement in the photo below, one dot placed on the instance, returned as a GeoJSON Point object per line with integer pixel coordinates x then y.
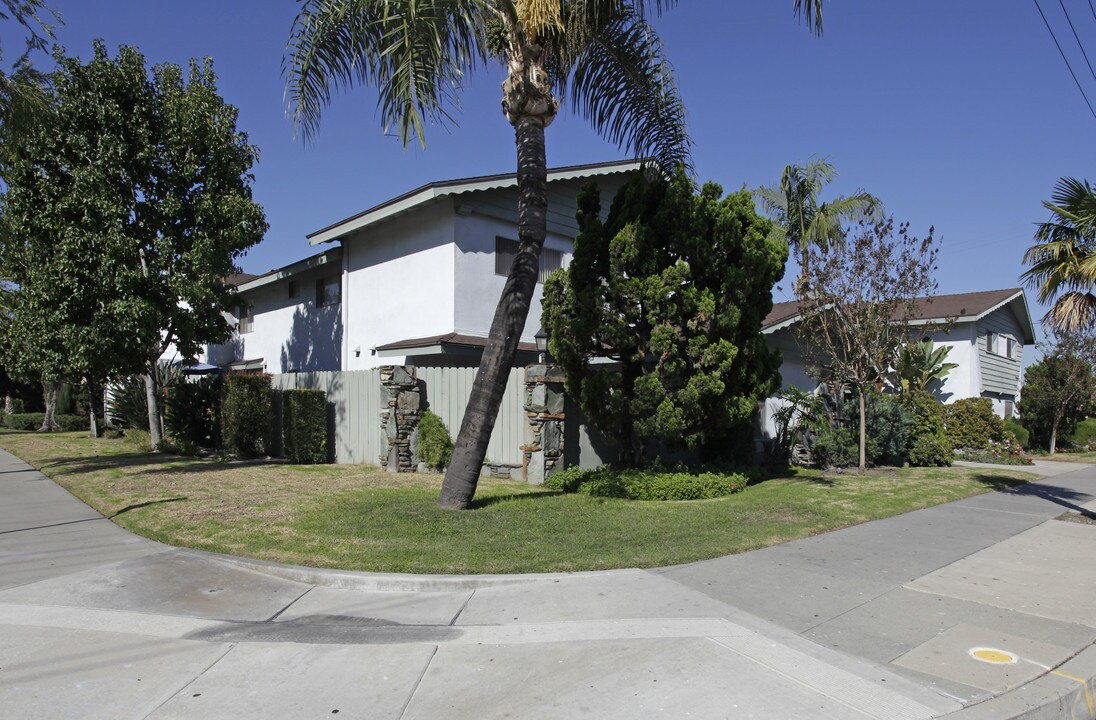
{"type": "Point", "coordinates": [991, 655]}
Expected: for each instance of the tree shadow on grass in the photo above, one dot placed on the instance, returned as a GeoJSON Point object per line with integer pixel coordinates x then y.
{"type": "Point", "coordinates": [81, 464]}
{"type": "Point", "coordinates": [480, 503]}
{"type": "Point", "coordinates": [1000, 482]}
{"type": "Point", "coordinates": [136, 506]}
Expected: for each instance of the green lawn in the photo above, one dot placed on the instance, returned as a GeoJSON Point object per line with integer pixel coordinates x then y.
{"type": "Point", "coordinates": [359, 518]}
{"type": "Point", "coordinates": [1073, 457]}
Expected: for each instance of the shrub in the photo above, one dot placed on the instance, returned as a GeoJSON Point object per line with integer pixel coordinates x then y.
{"type": "Point", "coordinates": [839, 447]}
{"type": "Point", "coordinates": [435, 445]}
{"type": "Point", "coordinates": [1084, 437]}
{"type": "Point", "coordinates": [928, 412]}
{"type": "Point", "coordinates": [245, 415]}
{"type": "Point", "coordinates": [647, 484]}
{"type": "Point", "coordinates": [931, 450]}
{"type": "Point", "coordinates": [889, 425]}
{"type": "Point", "coordinates": [128, 403]}
{"type": "Point", "coordinates": [72, 423]}
{"type": "Point", "coordinates": [304, 426]}
{"type": "Point", "coordinates": [139, 439]}
{"type": "Point", "coordinates": [1020, 434]}
{"type": "Point", "coordinates": [192, 414]}
{"type": "Point", "coordinates": [18, 406]}
{"type": "Point", "coordinates": [24, 421]}
{"type": "Point", "coordinates": [971, 423]}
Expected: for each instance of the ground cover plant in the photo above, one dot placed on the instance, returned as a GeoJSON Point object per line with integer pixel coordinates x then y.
{"type": "Point", "coordinates": [360, 518]}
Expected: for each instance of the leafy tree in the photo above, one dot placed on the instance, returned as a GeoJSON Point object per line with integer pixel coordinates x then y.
{"type": "Point", "coordinates": [919, 364]}
{"type": "Point", "coordinates": [416, 53]}
{"type": "Point", "coordinates": [123, 215]}
{"type": "Point", "coordinates": [857, 301]}
{"type": "Point", "coordinates": [1059, 391]}
{"type": "Point", "coordinates": [23, 97]}
{"type": "Point", "coordinates": [801, 220]}
{"type": "Point", "coordinates": [1063, 259]}
{"type": "Point", "coordinates": [673, 288]}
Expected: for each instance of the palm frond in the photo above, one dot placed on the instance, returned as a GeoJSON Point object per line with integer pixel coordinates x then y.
{"type": "Point", "coordinates": [415, 52]}
{"type": "Point", "coordinates": [1072, 312]}
{"type": "Point", "coordinates": [623, 84]}
{"type": "Point", "coordinates": [811, 12]}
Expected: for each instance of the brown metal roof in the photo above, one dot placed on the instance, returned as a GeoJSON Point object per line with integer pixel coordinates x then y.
{"type": "Point", "coordinates": [453, 339]}
{"type": "Point", "coordinates": [940, 307]}
{"type": "Point", "coordinates": [238, 279]}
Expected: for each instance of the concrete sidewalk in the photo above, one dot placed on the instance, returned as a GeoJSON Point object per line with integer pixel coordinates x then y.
{"type": "Point", "coordinates": [982, 608]}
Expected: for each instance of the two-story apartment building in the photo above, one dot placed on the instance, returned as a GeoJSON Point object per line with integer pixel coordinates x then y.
{"type": "Point", "coordinates": [413, 280]}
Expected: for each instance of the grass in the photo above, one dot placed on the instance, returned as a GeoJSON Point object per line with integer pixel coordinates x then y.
{"type": "Point", "coordinates": [360, 518]}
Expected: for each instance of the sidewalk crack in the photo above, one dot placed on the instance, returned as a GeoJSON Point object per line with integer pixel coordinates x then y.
{"type": "Point", "coordinates": [418, 683]}
{"type": "Point", "coordinates": [462, 607]}
{"type": "Point", "coordinates": [292, 602]}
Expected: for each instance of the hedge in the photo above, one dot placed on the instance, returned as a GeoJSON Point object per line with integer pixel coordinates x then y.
{"type": "Point", "coordinates": [435, 445]}
{"type": "Point", "coordinates": [971, 423]}
{"type": "Point", "coordinates": [304, 426]}
{"type": "Point", "coordinates": [33, 421]}
{"type": "Point", "coordinates": [646, 484]}
{"type": "Point", "coordinates": [245, 415]}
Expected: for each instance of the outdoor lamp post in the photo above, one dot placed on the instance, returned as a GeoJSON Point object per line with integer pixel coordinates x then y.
{"type": "Point", "coordinates": [542, 344]}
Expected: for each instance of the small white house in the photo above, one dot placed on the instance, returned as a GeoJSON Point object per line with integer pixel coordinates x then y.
{"type": "Point", "coordinates": [413, 280]}
{"type": "Point", "coordinates": [986, 333]}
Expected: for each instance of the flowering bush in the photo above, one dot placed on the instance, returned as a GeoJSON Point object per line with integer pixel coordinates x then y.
{"type": "Point", "coordinates": [1005, 452]}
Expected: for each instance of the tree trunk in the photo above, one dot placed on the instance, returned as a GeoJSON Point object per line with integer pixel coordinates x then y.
{"type": "Point", "coordinates": [463, 473]}
{"type": "Point", "coordinates": [9, 406]}
{"type": "Point", "coordinates": [863, 434]}
{"type": "Point", "coordinates": [152, 396]}
{"type": "Point", "coordinates": [1053, 435]}
{"type": "Point", "coordinates": [93, 422]}
{"type": "Point", "coordinates": [49, 395]}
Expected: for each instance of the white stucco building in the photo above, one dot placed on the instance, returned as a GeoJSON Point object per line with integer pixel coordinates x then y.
{"type": "Point", "coordinates": [413, 280]}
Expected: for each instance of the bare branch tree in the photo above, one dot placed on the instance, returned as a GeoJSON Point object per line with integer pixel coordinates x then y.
{"type": "Point", "coordinates": [858, 301]}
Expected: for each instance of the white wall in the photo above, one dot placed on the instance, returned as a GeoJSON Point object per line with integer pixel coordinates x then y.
{"type": "Point", "coordinates": [965, 380]}
{"type": "Point", "coordinates": [399, 283]}
{"type": "Point", "coordinates": [793, 373]}
{"type": "Point", "coordinates": [478, 288]}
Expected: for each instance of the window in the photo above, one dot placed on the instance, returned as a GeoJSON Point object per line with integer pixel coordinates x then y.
{"type": "Point", "coordinates": [246, 314]}
{"type": "Point", "coordinates": [1002, 345]}
{"type": "Point", "coordinates": [506, 250]}
{"type": "Point", "coordinates": [1008, 409]}
{"type": "Point", "coordinates": [328, 291]}
{"type": "Point", "coordinates": [294, 290]}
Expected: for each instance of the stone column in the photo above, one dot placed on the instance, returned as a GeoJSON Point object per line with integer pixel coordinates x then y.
{"type": "Point", "coordinates": [400, 418]}
{"type": "Point", "coordinates": [542, 453]}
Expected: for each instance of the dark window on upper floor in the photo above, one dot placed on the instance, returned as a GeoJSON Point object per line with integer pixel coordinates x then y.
{"type": "Point", "coordinates": [328, 291]}
{"type": "Point", "coordinates": [506, 250]}
{"type": "Point", "coordinates": [246, 313]}
{"type": "Point", "coordinates": [294, 290]}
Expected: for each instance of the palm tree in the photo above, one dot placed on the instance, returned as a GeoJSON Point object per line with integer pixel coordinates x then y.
{"type": "Point", "coordinates": [416, 53]}
{"type": "Point", "coordinates": [1064, 258]}
{"type": "Point", "coordinates": [799, 218]}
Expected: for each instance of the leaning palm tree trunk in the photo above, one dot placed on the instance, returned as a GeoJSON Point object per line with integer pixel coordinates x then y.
{"type": "Point", "coordinates": [502, 343]}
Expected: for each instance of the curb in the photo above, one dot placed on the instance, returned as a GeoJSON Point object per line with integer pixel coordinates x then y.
{"type": "Point", "coordinates": [1065, 692]}
{"type": "Point", "coordinates": [396, 582]}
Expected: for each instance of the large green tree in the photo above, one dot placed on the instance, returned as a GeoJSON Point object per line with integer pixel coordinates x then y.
{"type": "Point", "coordinates": [800, 217]}
{"type": "Point", "coordinates": [672, 288]}
{"type": "Point", "coordinates": [1060, 390]}
{"type": "Point", "coordinates": [123, 215]}
{"type": "Point", "coordinates": [417, 53]}
{"type": "Point", "coordinates": [1063, 259]}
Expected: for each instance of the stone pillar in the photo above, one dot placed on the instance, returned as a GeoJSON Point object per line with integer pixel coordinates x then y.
{"type": "Point", "coordinates": [400, 418]}
{"type": "Point", "coordinates": [542, 453]}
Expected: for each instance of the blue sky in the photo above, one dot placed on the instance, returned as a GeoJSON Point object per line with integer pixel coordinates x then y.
{"type": "Point", "coordinates": [960, 115]}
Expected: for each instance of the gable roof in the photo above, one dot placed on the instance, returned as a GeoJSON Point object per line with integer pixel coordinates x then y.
{"type": "Point", "coordinates": [962, 307]}
{"type": "Point", "coordinates": [436, 190]}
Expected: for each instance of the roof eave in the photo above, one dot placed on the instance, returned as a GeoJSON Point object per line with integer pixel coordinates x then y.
{"type": "Point", "coordinates": [436, 191]}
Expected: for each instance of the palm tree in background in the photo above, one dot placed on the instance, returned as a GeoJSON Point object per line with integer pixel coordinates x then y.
{"type": "Point", "coordinates": [602, 54]}
{"type": "Point", "coordinates": [1064, 258]}
{"type": "Point", "coordinates": [799, 218]}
